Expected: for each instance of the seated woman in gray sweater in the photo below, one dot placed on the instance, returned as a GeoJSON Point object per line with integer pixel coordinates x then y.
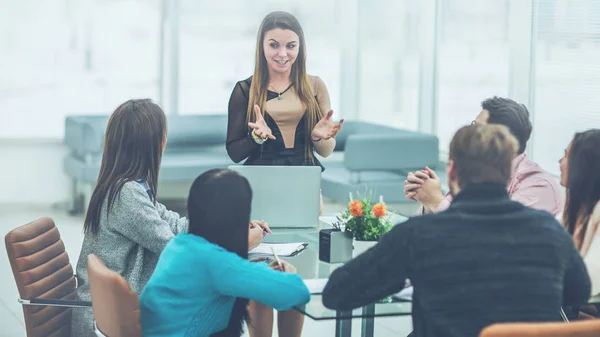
{"type": "Point", "coordinates": [125, 226]}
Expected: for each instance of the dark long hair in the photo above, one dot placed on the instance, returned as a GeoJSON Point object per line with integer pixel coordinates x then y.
{"type": "Point", "coordinates": [298, 76]}
{"type": "Point", "coordinates": [583, 181]}
{"type": "Point", "coordinates": [133, 147]}
{"type": "Point", "coordinates": [219, 211]}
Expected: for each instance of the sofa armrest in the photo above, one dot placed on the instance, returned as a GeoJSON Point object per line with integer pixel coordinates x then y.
{"type": "Point", "coordinates": [85, 134]}
{"type": "Point", "coordinates": [391, 151]}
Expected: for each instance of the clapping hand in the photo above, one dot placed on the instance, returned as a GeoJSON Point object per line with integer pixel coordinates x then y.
{"type": "Point", "coordinates": [260, 127]}
{"type": "Point", "coordinates": [326, 128]}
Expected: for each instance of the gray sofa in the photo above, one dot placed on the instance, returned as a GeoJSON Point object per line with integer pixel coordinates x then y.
{"type": "Point", "coordinates": [196, 143]}
{"type": "Point", "coordinates": [376, 158]}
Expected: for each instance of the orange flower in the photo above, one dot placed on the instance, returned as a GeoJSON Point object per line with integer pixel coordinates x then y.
{"type": "Point", "coordinates": [379, 210]}
{"type": "Point", "coordinates": [355, 208]}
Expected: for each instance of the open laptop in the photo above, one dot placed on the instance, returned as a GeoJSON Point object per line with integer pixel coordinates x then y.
{"type": "Point", "coordinates": [284, 196]}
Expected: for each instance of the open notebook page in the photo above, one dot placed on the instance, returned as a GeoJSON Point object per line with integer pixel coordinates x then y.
{"type": "Point", "coordinates": [281, 249]}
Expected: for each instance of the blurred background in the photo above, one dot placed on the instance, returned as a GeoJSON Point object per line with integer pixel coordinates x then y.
{"type": "Point", "coordinates": [415, 64]}
{"type": "Point", "coordinates": [422, 65]}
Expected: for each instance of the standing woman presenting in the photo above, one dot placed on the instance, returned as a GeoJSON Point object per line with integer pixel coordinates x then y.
{"type": "Point", "coordinates": [279, 116]}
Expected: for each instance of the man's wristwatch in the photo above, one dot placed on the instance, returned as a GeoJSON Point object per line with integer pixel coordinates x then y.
{"type": "Point", "coordinates": [257, 139]}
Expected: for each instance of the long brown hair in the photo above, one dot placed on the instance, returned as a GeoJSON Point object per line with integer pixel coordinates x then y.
{"type": "Point", "coordinates": [583, 183]}
{"type": "Point", "coordinates": [298, 77]}
{"type": "Point", "coordinates": [133, 147]}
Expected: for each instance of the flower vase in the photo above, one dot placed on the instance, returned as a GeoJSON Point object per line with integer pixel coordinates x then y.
{"type": "Point", "coordinates": [361, 247]}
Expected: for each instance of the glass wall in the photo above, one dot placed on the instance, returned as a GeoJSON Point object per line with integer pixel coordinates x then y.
{"type": "Point", "coordinates": [61, 57]}
{"type": "Point", "coordinates": [472, 60]}
{"type": "Point", "coordinates": [73, 57]}
{"type": "Point", "coordinates": [389, 62]}
{"type": "Point", "coordinates": [566, 79]}
{"type": "Point", "coordinates": [218, 41]}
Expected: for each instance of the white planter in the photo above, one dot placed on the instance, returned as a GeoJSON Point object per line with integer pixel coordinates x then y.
{"type": "Point", "coordinates": [361, 246]}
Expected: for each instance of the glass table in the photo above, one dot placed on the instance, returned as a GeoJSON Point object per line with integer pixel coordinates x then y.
{"type": "Point", "coordinates": [310, 267]}
{"type": "Point", "coordinates": [343, 326]}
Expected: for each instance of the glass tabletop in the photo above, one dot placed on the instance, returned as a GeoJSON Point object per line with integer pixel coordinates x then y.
{"type": "Point", "coordinates": [387, 307]}
{"type": "Point", "coordinates": [310, 267]}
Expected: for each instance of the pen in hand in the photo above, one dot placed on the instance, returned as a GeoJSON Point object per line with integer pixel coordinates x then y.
{"type": "Point", "coordinates": [277, 259]}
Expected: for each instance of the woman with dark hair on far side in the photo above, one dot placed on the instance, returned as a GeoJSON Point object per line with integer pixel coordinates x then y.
{"type": "Point", "coordinates": [203, 280]}
{"type": "Point", "coordinates": [580, 175]}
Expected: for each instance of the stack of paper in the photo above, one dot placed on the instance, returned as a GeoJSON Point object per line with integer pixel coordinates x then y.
{"type": "Point", "coordinates": [404, 294]}
{"type": "Point", "coordinates": [316, 286]}
{"type": "Point", "coordinates": [281, 249]}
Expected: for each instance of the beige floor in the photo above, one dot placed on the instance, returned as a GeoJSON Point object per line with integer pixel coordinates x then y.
{"type": "Point", "coordinates": [11, 316]}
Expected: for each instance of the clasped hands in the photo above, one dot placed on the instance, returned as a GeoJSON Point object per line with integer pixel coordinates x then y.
{"type": "Point", "coordinates": [425, 187]}
{"type": "Point", "coordinates": [324, 129]}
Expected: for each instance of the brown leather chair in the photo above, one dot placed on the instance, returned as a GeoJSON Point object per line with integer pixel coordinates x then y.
{"type": "Point", "coordinates": [44, 277]}
{"type": "Point", "coordinates": [115, 305]}
{"type": "Point", "coordinates": [589, 328]}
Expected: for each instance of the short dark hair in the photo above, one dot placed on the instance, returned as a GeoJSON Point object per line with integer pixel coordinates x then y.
{"type": "Point", "coordinates": [511, 114]}
{"type": "Point", "coordinates": [483, 153]}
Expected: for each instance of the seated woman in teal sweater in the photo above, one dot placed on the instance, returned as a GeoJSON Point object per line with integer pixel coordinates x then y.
{"type": "Point", "coordinates": [203, 280]}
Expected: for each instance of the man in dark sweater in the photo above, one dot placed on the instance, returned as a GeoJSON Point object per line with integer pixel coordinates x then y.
{"type": "Point", "coordinates": [486, 259]}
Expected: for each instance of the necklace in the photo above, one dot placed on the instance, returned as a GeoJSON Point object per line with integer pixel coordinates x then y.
{"type": "Point", "coordinates": [279, 93]}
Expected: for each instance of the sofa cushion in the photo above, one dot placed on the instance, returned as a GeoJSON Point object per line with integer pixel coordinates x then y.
{"type": "Point", "coordinates": [361, 127]}
{"type": "Point", "coordinates": [175, 166]}
{"type": "Point", "coordinates": [400, 150]}
{"type": "Point", "coordinates": [196, 130]}
{"type": "Point", "coordinates": [337, 182]}
{"type": "Point", "coordinates": [84, 134]}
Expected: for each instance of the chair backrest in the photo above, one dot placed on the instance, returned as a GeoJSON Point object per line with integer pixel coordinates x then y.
{"type": "Point", "coordinates": [589, 328]}
{"type": "Point", "coordinates": [42, 270]}
{"type": "Point", "coordinates": [115, 305]}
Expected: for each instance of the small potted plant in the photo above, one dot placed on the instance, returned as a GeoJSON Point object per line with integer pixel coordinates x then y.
{"type": "Point", "coordinates": [367, 223]}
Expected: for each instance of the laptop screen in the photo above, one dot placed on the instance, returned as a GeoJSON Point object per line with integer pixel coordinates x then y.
{"type": "Point", "coordinates": [284, 196]}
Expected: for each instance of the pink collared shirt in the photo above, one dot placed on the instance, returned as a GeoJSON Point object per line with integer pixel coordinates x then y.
{"type": "Point", "coordinates": [530, 185]}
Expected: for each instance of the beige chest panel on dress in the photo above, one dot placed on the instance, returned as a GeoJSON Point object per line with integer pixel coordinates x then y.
{"type": "Point", "coordinates": [287, 113]}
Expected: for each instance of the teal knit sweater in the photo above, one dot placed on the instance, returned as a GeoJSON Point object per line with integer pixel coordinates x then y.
{"type": "Point", "coordinates": [194, 286]}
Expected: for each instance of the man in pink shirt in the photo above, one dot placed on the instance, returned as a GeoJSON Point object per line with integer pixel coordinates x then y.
{"type": "Point", "coordinates": [529, 184]}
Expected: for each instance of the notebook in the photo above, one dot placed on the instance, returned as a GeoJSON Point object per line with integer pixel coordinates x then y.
{"type": "Point", "coordinates": [316, 286]}
{"type": "Point", "coordinates": [281, 249]}
{"type": "Point", "coordinates": [405, 294]}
